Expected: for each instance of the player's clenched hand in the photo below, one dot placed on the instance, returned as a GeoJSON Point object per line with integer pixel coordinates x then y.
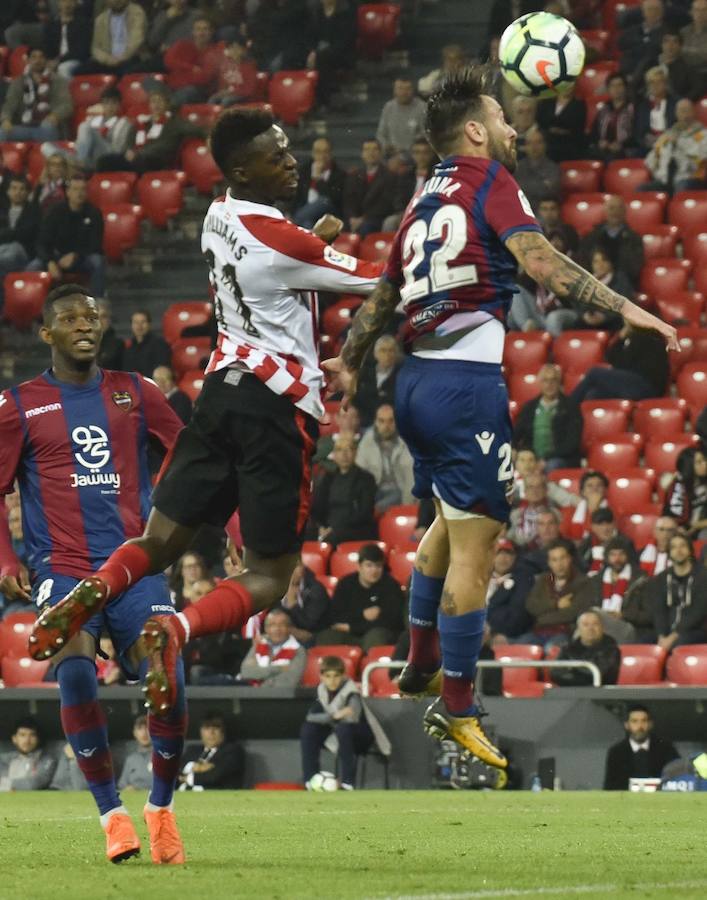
{"type": "Point", "coordinates": [328, 228]}
{"type": "Point", "coordinates": [637, 317]}
{"type": "Point", "coordinates": [339, 379]}
{"type": "Point", "coordinates": [16, 587]}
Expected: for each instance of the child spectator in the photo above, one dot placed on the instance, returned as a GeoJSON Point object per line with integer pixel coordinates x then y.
{"type": "Point", "coordinates": [105, 132]}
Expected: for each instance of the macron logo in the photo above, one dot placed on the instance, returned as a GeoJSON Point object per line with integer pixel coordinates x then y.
{"type": "Point", "coordinates": [165, 755]}
{"type": "Point", "coordinates": [38, 410]}
{"type": "Point", "coordinates": [88, 753]}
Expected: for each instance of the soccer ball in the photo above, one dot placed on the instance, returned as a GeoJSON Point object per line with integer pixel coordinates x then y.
{"type": "Point", "coordinates": [541, 54]}
{"type": "Point", "coordinates": [323, 781]}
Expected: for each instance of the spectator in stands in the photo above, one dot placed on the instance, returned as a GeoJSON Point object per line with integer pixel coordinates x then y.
{"type": "Point", "coordinates": [368, 191]}
{"type": "Point", "coordinates": [523, 530]}
{"type": "Point", "coordinates": [694, 38]}
{"type": "Point", "coordinates": [534, 307]}
{"type": "Point", "coordinates": [503, 12]}
{"type": "Point", "coordinates": [524, 121]}
{"type": "Point", "coordinates": [602, 268]}
{"type": "Point", "coordinates": [217, 763]}
{"type": "Point", "coordinates": [637, 611]}
{"type": "Point", "coordinates": [592, 645]}
{"type": "Point", "coordinates": [402, 120]}
{"type": "Point", "coordinates": [623, 244]}
{"type": "Point", "coordinates": [453, 58]}
{"type": "Point", "coordinates": [551, 424]}
{"type": "Point", "coordinates": [110, 355]}
{"type": "Point", "coordinates": [343, 501]}
{"type": "Point", "coordinates": [348, 423]}
{"type": "Point", "coordinates": [67, 775]}
{"type": "Point", "coordinates": [612, 130]}
{"type": "Point", "coordinates": [171, 24]}
{"type": "Point", "coordinates": [29, 767]}
{"type": "Point", "coordinates": [410, 181]}
{"type": "Point", "coordinates": [509, 587]}
{"type": "Point", "coordinates": [137, 768]}
{"type": "Point", "coordinates": [383, 453]}
{"type": "Point", "coordinates": [279, 39]}
{"type": "Point", "coordinates": [527, 463]}
{"type": "Point", "coordinates": [5, 176]}
{"type": "Point", "coordinates": [591, 549]}
{"type": "Point", "coordinates": [641, 754]}
{"type": "Point", "coordinates": [52, 183]}
{"type": "Point", "coordinates": [188, 570]}
{"type": "Point", "coordinates": [683, 79]}
{"type": "Point", "coordinates": [67, 38]}
{"type": "Point", "coordinates": [640, 44]}
{"type": "Point", "coordinates": [686, 497]}
{"type": "Point", "coordinates": [37, 104]}
{"type": "Point", "coordinates": [378, 376]}
{"type": "Point", "coordinates": [592, 489]}
{"type": "Point", "coordinates": [163, 376]}
{"type": "Point", "coordinates": [679, 598]}
{"type": "Point", "coordinates": [237, 75]}
{"type": "Point", "coordinates": [332, 43]}
{"type": "Point", "coordinates": [321, 186]}
{"type": "Point", "coordinates": [562, 121]}
{"type": "Point", "coordinates": [19, 228]}
{"type": "Point", "coordinates": [548, 531]}
{"type": "Point", "coordinates": [145, 350]}
{"type": "Point", "coordinates": [119, 34]}
{"type": "Point", "coordinates": [71, 238]}
{"type": "Point", "coordinates": [105, 132]}
{"type": "Point", "coordinates": [617, 575]}
{"type": "Point", "coordinates": [655, 113]}
{"type": "Point", "coordinates": [24, 21]}
{"type": "Point", "coordinates": [654, 556]}
{"type": "Point", "coordinates": [367, 606]}
{"type": "Point", "coordinates": [537, 175]}
{"type": "Point", "coordinates": [192, 65]}
{"type": "Point", "coordinates": [276, 659]}
{"type": "Point", "coordinates": [306, 603]}
{"type": "Point", "coordinates": [678, 159]}
{"type": "Point", "coordinates": [548, 211]}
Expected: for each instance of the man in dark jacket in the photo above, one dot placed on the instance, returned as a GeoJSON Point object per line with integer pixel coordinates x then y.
{"type": "Point", "coordinates": [67, 38]}
{"type": "Point", "coordinates": [163, 377]}
{"type": "Point", "coordinates": [509, 587]}
{"type": "Point", "coordinates": [216, 763]}
{"type": "Point", "coordinates": [551, 424]}
{"type": "Point", "coordinates": [145, 350]}
{"type": "Point", "coordinates": [590, 645]}
{"type": "Point", "coordinates": [369, 191]}
{"type": "Point", "coordinates": [321, 186]}
{"type": "Point", "coordinates": [623, 245]}
{"type": "Point", "coordinates": [306, 603]}
{"type": "Point", "coordinates": [19, 228]}
{"type": "Point", "coordinates": [679, 598]}
{"type": "Point", "coordinates": [110, 356]}
{"type": "Point", "coordinates": [641, 754]}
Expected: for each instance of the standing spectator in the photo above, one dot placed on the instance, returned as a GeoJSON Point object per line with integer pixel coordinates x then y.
{"type": "Point", "coordinates": [137, 768]}
{"type": "Point", "coordinates": [678, 159]}
{"type": "Point", "coordinates": [509, 587]}
{"type": "Point", "coordinates": [29, 767]}
{"type": "Point", "coordinates": [639, 44]}
{"type": "Point", "coordinates": [163, 376]}
{"type": "Point", "coordinates": [332, 39]}
{"type": "Point", "coordinates": [592, 489]}
{"type": "Point", "coordinates": [641, 754]}
{"type": "Point", "coordinates": [192, 65]}
{"type": "Point", "coordinates": [306, 603]}
{"type": "Point", "coordinates": [119, 34]}
{"type": "Point", "coordinates": [368, 191]}
{"type": "Point", "coordinates": [655, 113]}
{"type": "Point", "coordinates": [602, 268]}
{"type": "Point", "coordinates": [537, 175]}
{"type": "Point", "coordinates": [614, 580]}
{"type": "Point", "coordinates": [612, 129]}
{"type": "Point", "coordinates": [686, 497]}
{"type": "Point", "coordinates": [145, 350]}
{"type": "Point", "coordinates": [67, 38]}
{"type": "Point", "coordinates": [548, 212]}
{"type": "Point", "coordinates": [342, 504]}
{"type": "Point", "coordinates": [551, 424]}
{"type": "Point", "coordinates": [562, 120]}
{"type": "Point", "coordinates": [217, 763]}
{"type": "Point", "coordinates": [379, 372]}
{"type": "Point", "coordinates": [654, 556]}
{"type": "Point", "coordinates": [524, 120]}
{"type": "Point", "coordinates": [367, 606]}
{"type": "Point", "coordinates": [591, 549]}
{"type": "Point", "coordinates": [591, 644]}
{"type": "Point", "coordinates": [383, 453]}
{"type": "Point", "coordinates": [52, 183]}
{"type": "Point", "coordinates": [67, 775]}
{"type": "Point", "coordinates": [111, 352]}
{"type": "Point", "coordinates": [171, 24]}
{"type": "Point", "coordinates": [679, 597]}
{"type": "Point", "coordinates": [321, 186]}
{"type": "Point", "coordinates": [104, 132]}
{"type": "Point", "coordinates": [402, 119]}
{"type": "Point", "coordinates": [276, 659]}
{"type": "Point", "coordinates": [71, 238]}
{"type": "Point", "coordinates": [694, 38]}
{"type": "Point", "coordinates": [19, 228]}
{"type": "Point", "coordinates": [622, 243]}
{"type": "Point", "coordinates": [37, 104]}
{"type": "Point", "coordinates": [453, 58]}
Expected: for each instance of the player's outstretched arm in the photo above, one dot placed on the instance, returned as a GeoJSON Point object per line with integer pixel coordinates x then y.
{"type": "Point", "coordinates": [568, 280]}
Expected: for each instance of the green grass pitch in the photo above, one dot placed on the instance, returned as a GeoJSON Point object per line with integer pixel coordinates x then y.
{"type": "Point", "coordinates": [371, 844]}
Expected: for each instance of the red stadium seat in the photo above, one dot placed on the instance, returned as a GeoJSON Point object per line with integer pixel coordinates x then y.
{"type": "Point", "coordinates": [624, 176]}
{"type": "Point", "coordinates": [87, 89]}
{"type": "Point", "coordinates": [639, 527]}
{"type": "Point", "coordinates": [13, 638]}
{"type": "Point", "coordinates": [688, 665]}
{"type": "Point", "coordinates": [612, 457]}
{"type": "Point", "coordinates": [375, 247]}
{"type": "Point", "coordinates": [132, 88]}
{"type": "Point", "coordinates": [683, 307]}
{"type": "Point", "coordinates": [583, 211]}
{"type": "Point", "coordinates": [262, 80]}
{"type": "Point", "coordinates": [593, 104]}
{"type": "Point", "coordinates": [663, 278]}
{"type": "Point", "coordinates": [567, 478]}
{"type": "Point", "coordinates": [378, 25]}
{"type": "Point", "coordinates": [291, 94]}
{"type": "Point", "coordinates": [315, 555]}
{"type": "Point", "coordinates": [641, 664]}
{"type": "Point", "coordinates": [203, 114]}
{"type": "Point", "coordinates": [660, 418]}
{"type": "Point", "coordinates": [25, 618]}
{"type": "Point", "coordinates": [179, 316]}
{"type": "Point", "coordinates": [351, 657]}
{"type": "Point", "coordinates": [583, 175]}
{"type": "Point", "coordinates": [525, 351]}
{"type": "Point", "coordinates": [688, 210]}
{"type": "Point", "coordinates": [121, 229]}
{"type": "Point", "coordinates": [23, 671]}
{"type": "Point", "coordinates": [516, 678]}
{"type": "Point", "coordinates": [579, 350]}
{"type": "Point", "coordinates": [693, 347]}
{"type": "Point", "coordinates": [17, 61]}
{"type": "Point", "coordinates": [13, 155]}
{"type": "Point", "coordinates": [108, 188]}
{"type": "Point", "coordinates": [628, 493]}
{"type": "Point", "coordinates": [598, 41]}
{"type": "Point", "coordinates": [382, 651]}
{"type": "Point", "coordinates": [401, 563]}
{"type": "Point", "coordinates": [190, 353]}
{"type": "Point", "coordinates": [191, 383]}
{"type": "Point", "coordinates": [692, 384]}
{"type": "Point", "coordinates": [348, 243]}
{"type": "Point", "coordinates": [661, 240]}
{"type": "Point", "coordinates": [344, 560]}
{"type": "Point", "coordinates": [397, 524]}
{"type": "Point", "coordinates": [701, 278]}
{"type": "Point", "coordinates": [337, 318]}
{"type": "Point", "coordinates": [523, 387]}
{"type": "Point", "coordinates": [694, 246]}
{"type": "Point", "coordinates": [601, 422]}
{"type": "Point", "coordinates": [661, 455]}
{"type": "Point", "coordinates": [329, 582]}
{"type": "Point", "coordinates": [199, 166]}
{"type": "Point", "coordinates": [25, 293]}
{"type": "Point", "coordinates": [645, 210]}
{"type": "Point", "coordinates": [594, 77]}
{"type": "Point", "coordinates": [161, 195]}
{"type": "Point", "coordinates": [380, 684]}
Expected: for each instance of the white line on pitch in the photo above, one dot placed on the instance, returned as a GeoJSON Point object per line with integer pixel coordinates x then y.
{"type": "Point", "coordinates": [544, 891]}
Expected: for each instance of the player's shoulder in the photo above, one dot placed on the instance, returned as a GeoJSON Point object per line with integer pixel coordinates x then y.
{"type": "Point", "coordinates": [31, 392]}
{"type": "Point", "coordinates": [283, 236]}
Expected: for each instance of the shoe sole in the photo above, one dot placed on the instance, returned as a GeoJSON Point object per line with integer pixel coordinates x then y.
{"type": "Point", "coordinates": [126, 854]}
{"type": "Point", "coordinates": [157, 689]}
{"type": "Point", "coordinates": [437, 727]}
{"type": "Point", "coordinates": [56, 626]}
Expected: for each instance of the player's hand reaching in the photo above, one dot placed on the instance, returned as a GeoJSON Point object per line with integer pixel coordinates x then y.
{"type": "Point", "coordinates": [16, 587]}
{"type": "Point", "coordinates": [339, 379]}
{"type": "Point", "coordinates": [637, 317]}
{"type": "Point", "coordinates": [328, 228]}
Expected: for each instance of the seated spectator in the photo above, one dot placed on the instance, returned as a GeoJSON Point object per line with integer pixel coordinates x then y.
{"type": "Point", "coordinates": [173, 23]}
{"type": "Point", "coordinates": [641, 754]}
{"type": "Point", "coordinates": [71, 238]}
{"type": "Point", "coordinates": [118, 39]}
{"type": "Point", "coordinates": [637, 611]}
{"type": "Point", "coordinates": [383, 453]}
{"type": "Point", "coordinates": [67, 775]}
{"type": "Point", "coordinates": [367, 606]}
{"type": "Point", "coordinates": [612, 130]}
{"type": "Point", "coordinates": [614, 580]}
{"type": "Point", "coordinates": [639, 44]}
{"type": "Point", "coordinates": [192, 64]}
{"type": "Point", "coordinates": [105, 132]}
{"type": "Point", "coordinates": [306, 603]}
{"type": "Point", "coordinates": [19, 228]}
{"type": "Point", "coordinates": [376, 384]}
{"type": "Point", "coordinates": [548, 212]}
{"type": "Point", "coordinates": [37, 104]}
{"type": "Point", "coordinates": [548, 531]}
{"type": "Point", "coordinates": [535, 307]}
{"type": "Point", "coordinates": [678, 159]}
{"type": "Point", "coordinates": [402, 120]}
{"type": "Point", "coordinates": [216, 763]}
{"type": "Point", "coordinates": [623, 244]}
{"type": "Point", "coordinates": [562, 121]}
{"type": "Point", "coordinates": [694, 38]}
{"type": "Point", "coordinates": [686, 497]}
{"type": "Point", "coordinates": [410, 180]}
{"type": "Point", "coordinates": [592, 645]}
{"type": "Point", "coordinates": [591, 549]}
{"type": "Point", "coordinates": [527, 463]}
{"type": "Point", "coordinates": [145, 350]}
{"type": "Point", "coordinates": [29, 767]}
{"type": "Point", "coordinates": [551, 424]}
{"type": "Point", "coordinates": [683, 79]}
{"type": "Point", "coordinates": [537, 175]}
{"type": "Point", "coordinates": [368, 191]}
{"type": "Point", "coordinates": [52, 183]}
{"type": "Point", "coordinates": [592, 490]}
{"type": "Point", "coordinates": [110, 356]}
{"type": "Point", "coordinates": [655, 113]}
{"type": "Point", "coordinates": [654, 556]}
{"type": "Point", "coordinates": [602, 268]}
{"type": "Point", "coordinates": [342, 503]}
{"type": "Point", "coordinates": [509, 587]}
{"type": "Point", "coordinates": [237, 75]}
{"type": "Point", "coordinates": [163, 376]}
{"type": "Point", "coordinates": [67, 38]}
{"type": "Point", "coordinates": [534, 500]}
{"type": "Point", "coordinates": [348, 424]}
{"type": "Point", "coordinates": [524, 121]}
{"type": "Point", "coordinates": [679, 598]}
{"type": "Point", "coordinates": [332, 43]}
{"type": "Point", "coordinates": [340, 721]}
{"type": "Point", "coordinates": [276, 659]}
{"type": "Point", "coordinates": [137, 768]}
{"type": "Point", "coordinates": [557, 598]}
{"type": "Point", "coordinates": [320, 188]}
{"type": "Point", "coordinates": [453, 58]}
{"type": "Point", "coordinates": [188, 570]}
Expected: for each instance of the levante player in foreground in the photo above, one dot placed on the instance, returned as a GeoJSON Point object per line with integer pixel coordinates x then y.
{"type": "Point", "coordinates": [76, 440]}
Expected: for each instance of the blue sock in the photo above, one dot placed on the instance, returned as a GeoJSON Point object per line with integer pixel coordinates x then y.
{"type": "Point", "coordinates": [460, 638]}
{"type": "Point", "coordinates": [167, 733]}
{"type": "Point", "coordinates": [425, 594]}
{"type": "Point", "coordinates": [84, 724]}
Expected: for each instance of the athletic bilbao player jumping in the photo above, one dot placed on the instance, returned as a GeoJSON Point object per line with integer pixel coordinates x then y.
{"type": "Point", "coordinates": [453, 263]}
{"type": "Point", "coordinates": [76, 440]}
{"type": "Point", "coordinates": [250, 441]}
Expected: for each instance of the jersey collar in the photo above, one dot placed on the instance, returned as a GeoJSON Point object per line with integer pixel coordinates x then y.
{"type": "Point", "coordinates": [49, 376]}
{"type": "Point", "coordinates": [248, 208]}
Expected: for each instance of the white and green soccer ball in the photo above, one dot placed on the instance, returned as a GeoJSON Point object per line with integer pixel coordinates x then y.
{"type": "Point", "coordinates": [541, 54]}
{"type": "Point", "coordinates": [323, 781]}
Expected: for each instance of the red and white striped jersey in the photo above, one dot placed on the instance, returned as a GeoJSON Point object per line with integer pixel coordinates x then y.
{"type": "Point", "coordinates": [264, 274]}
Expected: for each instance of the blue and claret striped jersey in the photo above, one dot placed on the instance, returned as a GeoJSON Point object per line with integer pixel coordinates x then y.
{"type": "Point", "coordinates": [79, 453]}
{"type": "Point", "coordinates": [449, 259]}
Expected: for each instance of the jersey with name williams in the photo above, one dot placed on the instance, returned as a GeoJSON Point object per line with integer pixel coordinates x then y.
{"type": "Point", "coordinates": [449, 258]}
{"type": "Point", "coordinates": [264, 272]}
{"type": "Point", "coordinates": [79, 454]}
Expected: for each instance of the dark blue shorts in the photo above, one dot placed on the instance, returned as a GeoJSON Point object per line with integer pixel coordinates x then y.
{"type": "Point", "coordinates": [453, 415]}
{"type": "Point", "coordinates": [122, 618]}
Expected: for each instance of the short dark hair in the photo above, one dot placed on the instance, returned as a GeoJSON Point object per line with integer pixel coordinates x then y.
{"type": "Point", "coordinates": [332, 664]}
{"type": "Point", "coordinates": [371, 139]}
{"type": "Point", "coordinates": [592, 473]}
{"type": "Point", "coordinates": [672, 34]}
{"type": "Point", "coordinates": [619, 76]}
{"type": "Point", "coordinates": [27, 722]}
{"type": "Point", "coordinates": [371, 553]}
{"type": "Point", "coordinates": [111, 93]}
{"type": "Point", "coordinates": [213, 717]}
{"type": "Point", "coordinates": [684, 537]}
{"type": "Point", "coordinates": [140, 721]}
{"type": "Point", "coordinates": [600, 516]}
{"type": "Point", "coordinates": [549, 198]}
{"type": "Point", "coordinates": [18, 176]}
{"type": "Point", "coordinates": [233, 133]}
{"type": "Point", "coordinates": [561, 544]}
{"type": "Point", "coordinates": [61, 293]}
{"type": "Point", "coordinates": [618, 542]}
{"type": "Point", "coordinates": [458, 99]}
{"type": "Point", "coordinates": [142, 312]}
{"type": "Point", "coordinates": [637, 707]}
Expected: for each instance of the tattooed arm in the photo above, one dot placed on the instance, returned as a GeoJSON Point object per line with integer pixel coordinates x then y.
{"type": "Point", "coordinates": [567, 280]}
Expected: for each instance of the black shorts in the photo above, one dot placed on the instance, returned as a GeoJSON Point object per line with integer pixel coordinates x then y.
{"type": "Point", "coordinates": [245, 448]}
